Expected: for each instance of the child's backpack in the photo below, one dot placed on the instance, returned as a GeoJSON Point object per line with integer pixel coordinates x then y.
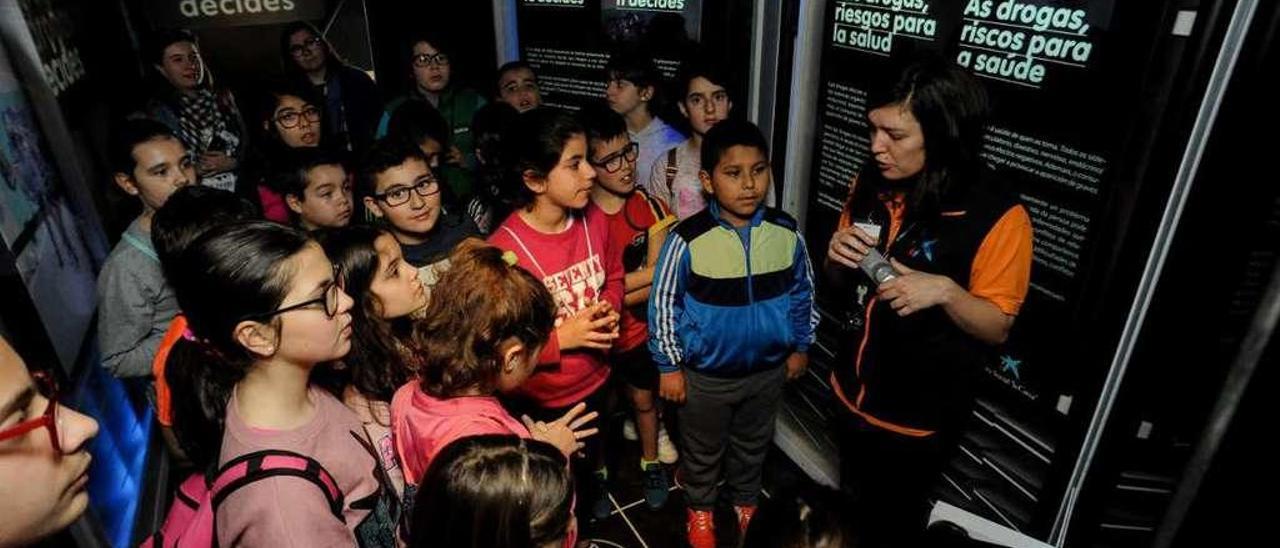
{"type": "Point", "coordinates": [189, 523]}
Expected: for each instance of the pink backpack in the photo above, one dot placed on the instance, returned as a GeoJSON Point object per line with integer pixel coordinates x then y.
{"type": "Point", "coordinates": [189, 523]}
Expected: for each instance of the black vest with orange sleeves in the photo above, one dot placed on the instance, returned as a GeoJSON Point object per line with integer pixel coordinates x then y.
{"type": "Point", "coordinates": [913, 375]}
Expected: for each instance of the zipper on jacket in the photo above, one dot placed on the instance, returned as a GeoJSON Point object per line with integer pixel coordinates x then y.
{"type": "Point", "coordinates": [751, 297]}
{"type": "Point", "coordinates": [871, 303]}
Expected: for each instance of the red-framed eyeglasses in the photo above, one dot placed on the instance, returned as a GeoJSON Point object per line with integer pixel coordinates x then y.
{"type": "Point", "coordinates": [48, 387]}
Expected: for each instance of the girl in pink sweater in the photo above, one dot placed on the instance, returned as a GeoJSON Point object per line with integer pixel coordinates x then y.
{"type": "Point", "coordinates": [484, 339]}
{"type": "Point", "coordinates": [264, 308]}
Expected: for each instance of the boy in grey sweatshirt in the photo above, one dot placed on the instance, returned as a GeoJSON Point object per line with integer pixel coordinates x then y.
{"type": "Point", "coordinates": [135, 304]}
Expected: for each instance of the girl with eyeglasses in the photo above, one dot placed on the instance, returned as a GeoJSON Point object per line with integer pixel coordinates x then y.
{"type": "Point", "coordinates": [203, 116]}
{"type": "Point", "coordinates": [44, 454]}
{"type": "Point", "coordinates": [480, 343]}
{"type": "Point", "coordinates": [496, 491]}
{"type": "Point", "coordinates": [431, 68]}
{"type": "Point", "coordinates": [265, 308]}
{"type": "Point", "coordinates": [560, 237]}
{"type": "Point", "coordinates": [351, 102]}
{"type": "Point", "coordinates": [290, 119]}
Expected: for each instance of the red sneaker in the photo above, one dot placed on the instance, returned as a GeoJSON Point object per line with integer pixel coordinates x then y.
{"type": "Point", "coordinates": [702, 529]}
{"type": "Point", "coordinates": [745, 514]}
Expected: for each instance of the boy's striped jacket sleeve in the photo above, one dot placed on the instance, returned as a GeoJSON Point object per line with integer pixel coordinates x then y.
{"type": "Point", "coordinates": [666, 304]}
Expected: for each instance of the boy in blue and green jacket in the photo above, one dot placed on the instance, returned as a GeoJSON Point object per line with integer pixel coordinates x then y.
{"type": "Point", "coordinates": [731, 317]}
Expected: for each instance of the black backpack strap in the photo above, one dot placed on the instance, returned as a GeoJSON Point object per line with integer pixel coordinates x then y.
{"type": "Point", "coordinates": [313, 472]}
{"type": "Point", "coordinates": [655, 205]}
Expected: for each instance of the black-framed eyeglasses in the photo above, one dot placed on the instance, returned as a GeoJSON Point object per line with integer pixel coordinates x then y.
{"type": "Point", "coordinates": [428, 59]}
{"type": "Point", "coordinates": [297, 49]}
{"type": "Point", "coordinates": [292, 118]}
{"type": "Point", "coordinates": [613, 162]}
{"type": "Point", "coordinates": [47, 385]}
{"type": "Point", "coordinates": [400, 195]}
{"type": "Point", "coordinates": [328, 300]}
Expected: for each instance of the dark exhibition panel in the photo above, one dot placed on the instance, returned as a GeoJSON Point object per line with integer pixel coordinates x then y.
{"type": "Point", "coordinates": [1126, 407]}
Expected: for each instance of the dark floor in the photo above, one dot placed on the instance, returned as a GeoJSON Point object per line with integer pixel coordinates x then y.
{"type": "Point", "coordinates": [633, 524]}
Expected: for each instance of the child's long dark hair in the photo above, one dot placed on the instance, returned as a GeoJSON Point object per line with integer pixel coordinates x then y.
{"type": "Point", "coordinates": [270, 157]}
{"type": "Point", "coordinates": [225, 276]}
{"type": "Point", "coordinates": [498, 491]}
{"type": "Point", "coordinates": [488, 300]}
{"type": "Point", "coordinates": [375, 366]}
{"type": "Point", "coordinates": [490, 127]}
{"type": "Point", "coordinates": [270, 97]}
{"type": "Point", "coordinates": [636, 66]}
{"type": "Point", "coordinates": [535, 144]}
{"type": "Point", "coordinates": [190, 212]}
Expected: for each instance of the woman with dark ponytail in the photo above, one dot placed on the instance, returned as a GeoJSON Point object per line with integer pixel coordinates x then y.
{"type": "Point", "coordinates": [264, 308]}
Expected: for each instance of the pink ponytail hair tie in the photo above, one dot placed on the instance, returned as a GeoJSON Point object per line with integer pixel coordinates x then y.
{"type": "Point", "coordinates": [188, 335]}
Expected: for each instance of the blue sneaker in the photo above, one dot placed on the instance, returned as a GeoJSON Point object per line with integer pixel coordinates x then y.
{"type": "Point", "coordinates": [656, 485]}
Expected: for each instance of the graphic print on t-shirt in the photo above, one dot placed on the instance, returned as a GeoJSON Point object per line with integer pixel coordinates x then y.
{"type": "Point", "coordinates": [378, 528]}
{"type": "Point", "coordinates": [576, 287]}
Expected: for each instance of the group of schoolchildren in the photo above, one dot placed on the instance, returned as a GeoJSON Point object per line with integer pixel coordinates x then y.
{"type": "Point", "coordinates": [431, 333]}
